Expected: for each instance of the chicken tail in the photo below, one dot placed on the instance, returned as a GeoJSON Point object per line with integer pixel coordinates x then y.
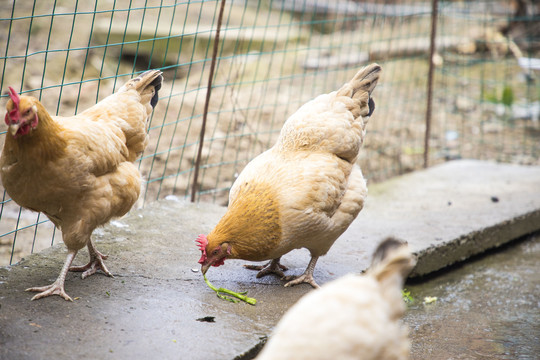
{"type": "Point", "coordinates": [359, 89]}
{"type": "Point", "coordinates": [392, 262]}
{"type": "Point", "coordinates": [147, 85]}
{"type": "Point", "coordinates": [135, 121]}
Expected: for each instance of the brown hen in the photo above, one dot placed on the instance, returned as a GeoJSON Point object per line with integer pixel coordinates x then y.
{"type": "Point", "coordinates": [78, 170]}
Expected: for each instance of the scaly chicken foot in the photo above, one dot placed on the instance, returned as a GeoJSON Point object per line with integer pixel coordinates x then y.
{"type": "Point", "coordinates": [96, 263]}
{"type": "Point", "coordinates": [306, 277]}
{"type": "Point", "coordinates": [56, 288]}
{"type": "Point", "coordinates": [272, 267]}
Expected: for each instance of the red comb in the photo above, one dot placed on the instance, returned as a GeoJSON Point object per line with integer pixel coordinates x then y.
{"type": "Point", "coordinates": [202, 241]}
{"type": "Point", "coordinates": [14, 96]}
{"type": "Point", "coordinates": [13, 116]}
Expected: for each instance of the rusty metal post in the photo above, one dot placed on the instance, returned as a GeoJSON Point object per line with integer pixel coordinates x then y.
{"type": "Point", "coordinates": [195, 187]}
{"type": "Point", "coordinates": [432, 45]}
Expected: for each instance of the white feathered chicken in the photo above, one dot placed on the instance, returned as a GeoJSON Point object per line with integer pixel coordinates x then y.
{"type": "Point", "coordinates": [305, 191]}
{"type": "Point", "coordinates": [354, 317]}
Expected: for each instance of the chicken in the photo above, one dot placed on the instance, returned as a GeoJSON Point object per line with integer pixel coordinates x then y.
{"type": "Point", "coordinates": [305, 191]}
{"type": "Point", "coordinates": [354, 317]}
{"type": "Point", "coordinates": [78, 170]}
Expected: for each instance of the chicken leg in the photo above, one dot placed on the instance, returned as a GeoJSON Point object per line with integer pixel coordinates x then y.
{"type": "Point", "coordinates": [272, 267]}
{"type": "Point", "coordinates": [56, 288]}
{"type": "Point", "coordinates": [306, 277]}
{"type": "Point", "coordinates": [96, 262]}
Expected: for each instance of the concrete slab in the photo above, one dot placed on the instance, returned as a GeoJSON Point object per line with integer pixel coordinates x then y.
{"type": "Point", "coordinates": [453, 211]}
{"type": "Point", "coordinates": [152, 306]}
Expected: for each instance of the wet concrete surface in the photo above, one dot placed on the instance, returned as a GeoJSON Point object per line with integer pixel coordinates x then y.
{"type": "Point", "coordinates": [153, 306]}
{"type": "Point", "coordinates": [150, 308]}
{"type": "Point", "coordinates": [487, 308]}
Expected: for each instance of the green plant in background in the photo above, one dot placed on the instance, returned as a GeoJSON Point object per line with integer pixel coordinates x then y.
{"type": "Point", "coordinates": [506, 96]}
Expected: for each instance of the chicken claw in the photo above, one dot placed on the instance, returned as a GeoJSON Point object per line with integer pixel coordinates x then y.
{"type": "Point", "coordinates": [91, 268]}
{"type": "Point", "coordinates": [96, 263]}
{"type": "Point", "coordinates": [272, 267]}
{"type": "Point", "coordinates": [56, 288]}
{"type": "Point", "coordinates": [306, 277]}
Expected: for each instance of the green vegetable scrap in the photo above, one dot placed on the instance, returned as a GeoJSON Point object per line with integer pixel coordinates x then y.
{"type": "Point", "coordinates": [407, 296]}
{"type": "Point", "coordinates": [240, 296]}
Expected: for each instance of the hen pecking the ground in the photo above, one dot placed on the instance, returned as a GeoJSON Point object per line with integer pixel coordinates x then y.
{"type": "Point", "coordinates": [305, 191]}
{"type": "Point", "coordinates": [354, 317]}
{"type": "Point", "coordinates": [78, 170]}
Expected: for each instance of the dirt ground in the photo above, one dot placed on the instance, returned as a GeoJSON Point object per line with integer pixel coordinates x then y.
{"type": "Point", "coordinates": [264, 74]}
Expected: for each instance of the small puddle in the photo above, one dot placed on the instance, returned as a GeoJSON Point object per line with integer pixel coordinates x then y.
{"type": "Point", "coordinates": [488, 308]}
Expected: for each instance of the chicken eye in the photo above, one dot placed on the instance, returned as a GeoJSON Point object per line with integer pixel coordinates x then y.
{"type": "Point", "coordinates": [215, 252]}
{"type": "Point", "coordinates": [27, 112]}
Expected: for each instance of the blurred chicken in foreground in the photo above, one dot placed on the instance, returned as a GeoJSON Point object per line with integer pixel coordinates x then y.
{"type": "Point", "coordinates": [305, 191]}
{"type": "Point", "coordinates": [78, 170]}
{"type": "Point", "coordinates": [354, 317]}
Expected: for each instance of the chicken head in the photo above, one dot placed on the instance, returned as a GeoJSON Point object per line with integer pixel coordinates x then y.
{"type": "Point", "coordinates": [214, 257]}
{"type": "Point", "coordinates": [21, 116]}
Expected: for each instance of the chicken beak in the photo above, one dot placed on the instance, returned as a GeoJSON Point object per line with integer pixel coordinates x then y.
{"type": "Point", "coordinates": [13, 128]}
{"type": "Point", "coordinates": [204, 268]}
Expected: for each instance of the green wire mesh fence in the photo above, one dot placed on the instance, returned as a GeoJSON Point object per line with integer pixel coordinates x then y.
{"type": "Point", "coordinates": [272, 57]}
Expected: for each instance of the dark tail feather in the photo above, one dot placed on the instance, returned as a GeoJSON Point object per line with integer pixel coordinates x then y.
{"type": "Point", "coordinates": [147, 84]}
{"type": "Point", "coordinates": [156, 83]}
{"type": "Point", "coordinates": [359, 88]}
{"type": "Point", "coordinates": [392, 257]}
{"type": "Point", "coordinates": [371, 105]}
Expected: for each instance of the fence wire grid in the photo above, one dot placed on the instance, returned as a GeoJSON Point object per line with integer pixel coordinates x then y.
{"type": "Point", "coordinates": [272, 57]}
